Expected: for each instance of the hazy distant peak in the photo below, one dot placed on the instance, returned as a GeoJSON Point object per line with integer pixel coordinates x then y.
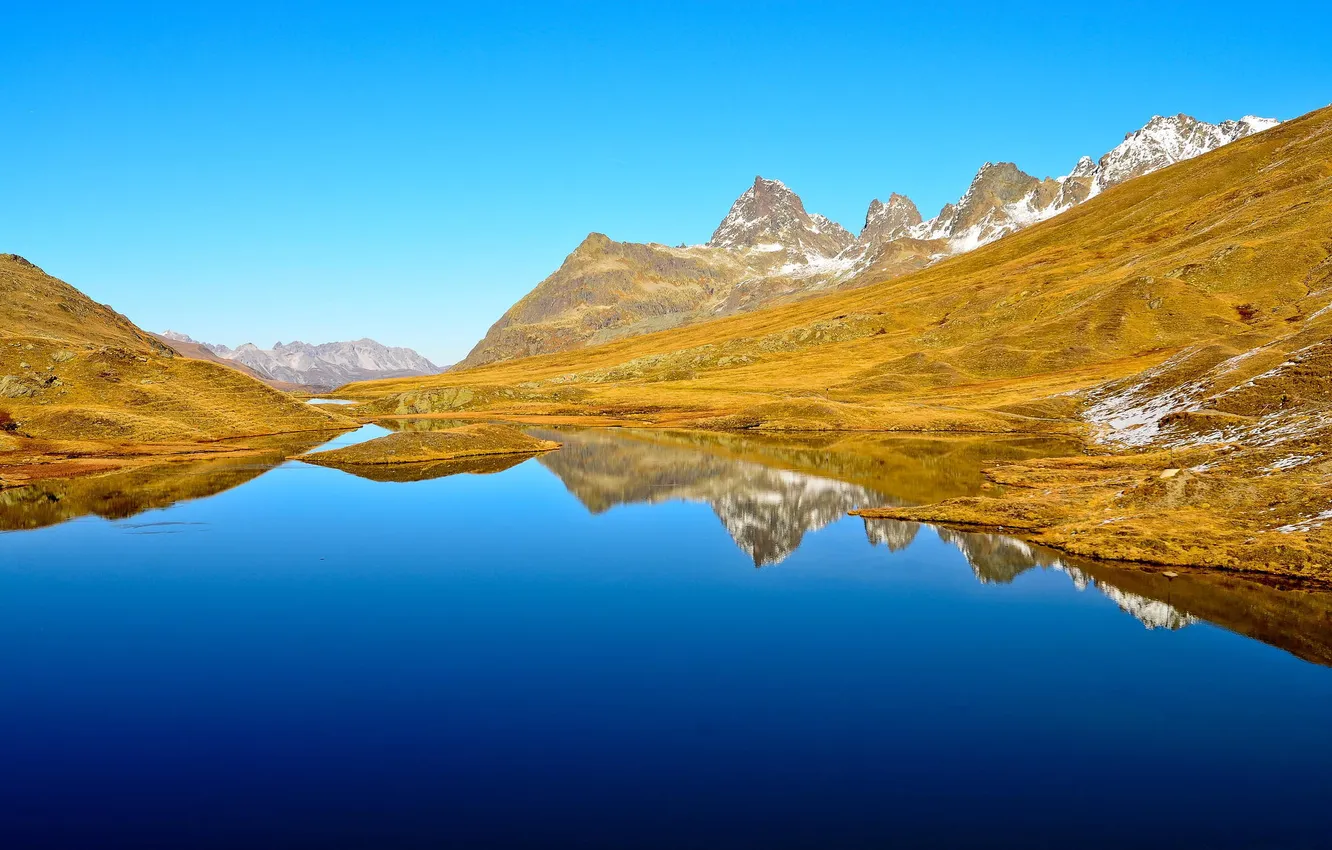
{"type": "Point", "coordinates": [328, 364]}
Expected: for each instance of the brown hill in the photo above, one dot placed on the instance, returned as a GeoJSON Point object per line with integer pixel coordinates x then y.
{"type": "Point", "coordinates": [77, 377]}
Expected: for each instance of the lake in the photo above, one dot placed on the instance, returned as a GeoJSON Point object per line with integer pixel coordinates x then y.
{"type": "Point", "coordinates": [641, 640]}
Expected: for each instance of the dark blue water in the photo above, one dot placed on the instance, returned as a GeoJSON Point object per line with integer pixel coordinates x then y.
{"type": "Point", "coordinates": [579, 651]}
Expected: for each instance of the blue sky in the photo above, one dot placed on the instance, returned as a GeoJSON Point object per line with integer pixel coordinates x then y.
{"type": "Point", "coordinates": [407, 171]}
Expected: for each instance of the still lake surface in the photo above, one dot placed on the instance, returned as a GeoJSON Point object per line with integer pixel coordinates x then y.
{"type": "Point", "coordinates": [638, 641]}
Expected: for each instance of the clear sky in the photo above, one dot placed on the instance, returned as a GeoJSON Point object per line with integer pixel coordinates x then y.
{"type": "Point", "coordinates": [405, 171]}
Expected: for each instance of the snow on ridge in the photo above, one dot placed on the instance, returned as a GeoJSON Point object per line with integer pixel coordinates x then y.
{"type": "Point", "coordinates": [769, 218]}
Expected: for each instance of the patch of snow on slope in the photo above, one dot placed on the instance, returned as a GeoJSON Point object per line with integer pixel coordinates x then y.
{"type": "Point", "coordinates": [817, 264]}
{"type": "Point", "coordinates": [1309, 524]}
{"type": "Point", "coordinates": [1132, 416]}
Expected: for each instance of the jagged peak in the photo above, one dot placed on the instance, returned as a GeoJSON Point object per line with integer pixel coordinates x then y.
{"type": "Point", "coordinates": [1085, 168]}
{"type": "Point", "coordinates": [892, 220]}
{"type": "Point", "coordinates": [996, 182]}
{"type": "Point", "coordinates": [771, 217]}
{"type": "Point", "coordinates": [762, 183]}
{"type": "Point", "coordinates": [1163, 141]}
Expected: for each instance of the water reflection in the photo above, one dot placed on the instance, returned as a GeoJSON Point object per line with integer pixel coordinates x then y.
{"type": "Point", "coordinates": [766, 511]}
{"type": "Point", "coordinates": [999, 559]}
{"type": "Point", "coordinates": [404, 473]}
{"type": "Point", "coordinates": [768, 492]}
{"type": "Point", "coordinates": [123, 494]}
{"type": "Point", "coordinates": [768, 504]}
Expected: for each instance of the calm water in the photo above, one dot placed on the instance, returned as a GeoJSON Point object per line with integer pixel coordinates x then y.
{"type": "Point", "coordinates": [578, 650]}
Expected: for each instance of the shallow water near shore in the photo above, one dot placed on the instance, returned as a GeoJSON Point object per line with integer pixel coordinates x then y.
{"type": "Point", "coordinates": [640, 640]}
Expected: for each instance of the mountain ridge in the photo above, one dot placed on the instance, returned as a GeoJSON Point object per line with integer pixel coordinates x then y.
{"type": "Point", "coordinates": [320, 366]}
{"type": "Point", "coordinates": [768, 249]}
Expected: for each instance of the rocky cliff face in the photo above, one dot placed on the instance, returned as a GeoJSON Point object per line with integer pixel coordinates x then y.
{"type": "Point", "coordinates": [887, 222]}
{"type": "Point", "coordinates": [770, 249]}
{"type": "Point", "coordinates": [324, 366]}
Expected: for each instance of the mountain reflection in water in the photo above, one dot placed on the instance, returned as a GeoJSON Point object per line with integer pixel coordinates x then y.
{"type": "Point", "coordinates": [768, 509]}
{"type": "Point", "coordinates": [769, 492]}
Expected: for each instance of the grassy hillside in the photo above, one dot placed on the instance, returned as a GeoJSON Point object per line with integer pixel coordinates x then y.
{"type": "Point", "coordinates": [1189, 307]}
{"type": "Point", "coordinates": [79, 379]}
{"type": "Point", "coordinates": [1230, 246]}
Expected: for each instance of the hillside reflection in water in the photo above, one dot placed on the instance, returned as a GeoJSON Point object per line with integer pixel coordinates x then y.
{"type": "Point", "coordinates": [769, 492]}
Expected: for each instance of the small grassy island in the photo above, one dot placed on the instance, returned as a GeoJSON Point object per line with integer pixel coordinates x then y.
{"type": "Point", "coordinates": [466, 442]}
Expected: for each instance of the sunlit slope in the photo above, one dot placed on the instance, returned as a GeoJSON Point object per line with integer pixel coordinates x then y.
{"type": "Point", "coordinates": [1232, 245]}
{"type": "Point", "coordinates": [71, 369]}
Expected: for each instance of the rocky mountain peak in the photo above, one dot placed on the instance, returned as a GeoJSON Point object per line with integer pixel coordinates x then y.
{"type": "Point", "coordinates": [1086, 167]}
{"type": "Point", "coordinates": [764, 212]}
{"type": "Point", "coordinates": [770, 248]}
{"type": "Point", "coordinates": [995, 184]}
{"type": "Point", "coordinates": [769, 217]}
{"type": "Point", "coordinates": [1166, 140]}
{"type": "Point", "coordinates": [593, 242]}
{"type": "Point", "coordinates": [892, 220]}
{"type": "Point", "coordinates": [1000, 199]}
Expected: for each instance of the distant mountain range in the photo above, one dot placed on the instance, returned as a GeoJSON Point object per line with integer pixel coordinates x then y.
{"type": "Point", "coordinates": [769, 249]}
{"type": "Point", "coordinates": [324, 366]}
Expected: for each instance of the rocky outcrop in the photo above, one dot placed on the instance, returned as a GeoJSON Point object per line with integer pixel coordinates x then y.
{"type": "Point", "coordinates": [887, 222]}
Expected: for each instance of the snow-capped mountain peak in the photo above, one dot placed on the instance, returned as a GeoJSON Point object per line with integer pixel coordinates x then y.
{"type": "Point", "coordinates": [769, 217]}
{"type": "Point", "coordinates": [1086, 167]}
{"type": "Point", "coordinates": [1164, 141]}
{"type": "Point", "coordinates": [1002, 199]}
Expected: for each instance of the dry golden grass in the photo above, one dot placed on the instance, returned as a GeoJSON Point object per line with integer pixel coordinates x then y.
{"type": "Point", "coordinates": [1199, 507]}
{"type": "Point", "coordinates": [79, 380]}
{"type": "Point", "coordinates": [412, 447]}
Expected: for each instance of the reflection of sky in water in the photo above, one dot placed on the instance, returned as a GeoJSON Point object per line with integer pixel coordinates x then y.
{"type": "Point", "coordinates": [585, 657]}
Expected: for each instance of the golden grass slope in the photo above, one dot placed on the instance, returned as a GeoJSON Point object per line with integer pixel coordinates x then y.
{"type": "Point", "coordinates": [402, 447]}
{"type": "Point", "coordinates": [80, 373]}
{"type": "Point", "coordinates": [1231, 245]}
